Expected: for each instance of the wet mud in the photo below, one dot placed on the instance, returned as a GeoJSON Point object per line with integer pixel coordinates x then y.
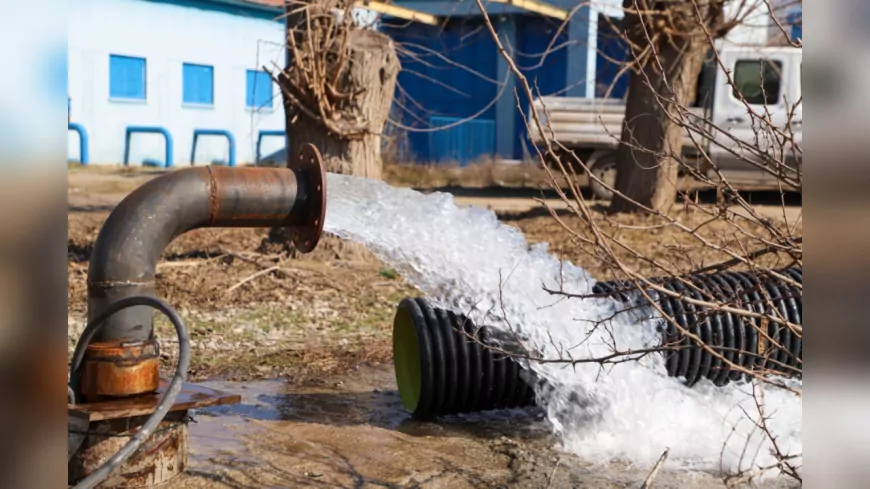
{"type": "Point", "coordinates": [352, 432]}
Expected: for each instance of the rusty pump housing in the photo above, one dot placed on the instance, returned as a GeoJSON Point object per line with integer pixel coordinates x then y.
{"type": "Point", "coordinates": [127, 426]}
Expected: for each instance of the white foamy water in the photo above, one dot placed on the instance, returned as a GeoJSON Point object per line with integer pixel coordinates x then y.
{"type": "Point", "coordinates": [630, 411]}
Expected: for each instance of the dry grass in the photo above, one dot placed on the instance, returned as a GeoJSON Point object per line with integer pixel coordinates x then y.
{"type": "Point", "coordinates": [484, 173]}
{"type": "Point", "coordinates": [655, 243]}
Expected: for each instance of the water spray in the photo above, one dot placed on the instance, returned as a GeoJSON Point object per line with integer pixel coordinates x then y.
{"type": "Point", "coordinates": [446, 365]}
{"type": "Point", "coordinates": [127, 427]}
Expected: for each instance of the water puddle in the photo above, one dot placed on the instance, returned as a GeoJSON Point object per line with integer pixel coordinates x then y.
{"type": "Point", "coordinates": [368, 398]}
{"type": "Point", "coordinates": [348, 428]}
{"type": "Point", "coordinates": [352, 431]}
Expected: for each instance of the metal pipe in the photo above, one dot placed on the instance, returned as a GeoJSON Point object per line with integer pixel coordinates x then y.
{"type": "Point", "coordinates": [125, 255]}
{"type": "Point", "coordinates": [169, 151]}
{"type": "Point", "coordinates": [231, 144]}
{"type": "Point", "coordinates": [84, 146]}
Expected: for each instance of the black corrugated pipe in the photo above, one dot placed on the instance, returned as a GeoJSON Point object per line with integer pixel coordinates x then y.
{"type": "Point", "coordinates": [125, 255]}
{"type": "Point", "coordinates": [735, 337]}
{"type": "Point", "coordinates": [440, 370]}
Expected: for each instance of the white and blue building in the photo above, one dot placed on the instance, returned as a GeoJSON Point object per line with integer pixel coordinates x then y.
{"type": "Point", "coordinates": [175, 82]}
{"type": "Point", "coordinates": [170, 82]}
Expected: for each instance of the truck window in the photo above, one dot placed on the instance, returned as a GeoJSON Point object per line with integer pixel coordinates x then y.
{"type": "Point", "coordinates": [759, 81]}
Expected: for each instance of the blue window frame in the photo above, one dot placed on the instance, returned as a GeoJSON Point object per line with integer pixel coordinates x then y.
{"type": "Point", "coordinates": [197, 84]}
{"type": "Point", "coordinates": [126, 77]}
{"type": "Point", "coordinates": [259, 90]}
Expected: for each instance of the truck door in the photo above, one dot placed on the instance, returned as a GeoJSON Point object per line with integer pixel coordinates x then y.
{"type": "Point", "coordinates": [761, 90]}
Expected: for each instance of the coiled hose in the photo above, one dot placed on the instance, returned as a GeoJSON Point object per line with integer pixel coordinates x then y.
{"type": "Point", "coordinates": [166, 402]}
{"type": "Point", "coordinates": [443, 368]}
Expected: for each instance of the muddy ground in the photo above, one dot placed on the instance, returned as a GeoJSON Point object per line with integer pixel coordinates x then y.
{"type": "Point", "coordinates": [319, 327]}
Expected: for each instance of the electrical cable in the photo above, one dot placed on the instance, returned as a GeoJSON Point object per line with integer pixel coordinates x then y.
{"type": "Point", "coordinates": [180, 376]}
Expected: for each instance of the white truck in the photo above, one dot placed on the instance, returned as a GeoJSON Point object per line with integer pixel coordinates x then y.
{"type": "Point", "coordinates": [768, 78]}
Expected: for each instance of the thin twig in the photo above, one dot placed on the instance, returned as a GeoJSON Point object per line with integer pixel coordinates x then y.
{"type": "Point", "coordinates": [252, 277]}
{"type": "Point", "coordinates": [655, 470]}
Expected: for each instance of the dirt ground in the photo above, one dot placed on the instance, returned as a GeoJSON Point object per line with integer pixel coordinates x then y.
{"type": "Point", "coordinates": [324, 316]}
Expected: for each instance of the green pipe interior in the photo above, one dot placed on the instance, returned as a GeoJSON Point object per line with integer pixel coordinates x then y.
{"type": "Point", "coordinates": [406, 359]}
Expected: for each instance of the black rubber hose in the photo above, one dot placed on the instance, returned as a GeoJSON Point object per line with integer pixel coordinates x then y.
{"type": "Point", "coordinates": [686, 319]}
{"type": "Point", "coordinates": [724, 338]}
{"type": "Point", "coordinates": [175, 385]}
{"type": "Point", "coordinates": [670, 337]}
{"type": "Point", "coordinates": [743, 324]}
{"type": "Point", "coordinates": [795, 354]}
{"type": "Point", "coordinates": [755, 304]}
{"type": "Point", "coordinates": [463, 365]}
{"type": "Point", "coordinates": [781, 333]}
{"type": "Point", "coordinates": [697, 327]}
{"type": "Point", "coordinates": [735, 337]}
{"type": "Point", "coordinates": [451, 359]}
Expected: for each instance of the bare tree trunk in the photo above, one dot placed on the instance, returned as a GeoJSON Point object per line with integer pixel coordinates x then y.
{"type": "Point", "coordinates": [666, 79]}
{"type": "Point", "coordinates": [646, 170]}
{"type": "Point", "coordinates": [338, 86]}
{"type": "Point", "coordinates": [371, 71]}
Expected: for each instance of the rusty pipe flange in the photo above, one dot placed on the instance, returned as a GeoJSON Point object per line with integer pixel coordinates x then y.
{"type": "Point", "coordinates": [310, 169]}
{"type": "Point", "coordinates": [120, 369]}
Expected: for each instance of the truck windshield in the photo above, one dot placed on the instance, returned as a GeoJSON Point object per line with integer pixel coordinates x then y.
{"type": "Point", "coordinates": [758, 81]}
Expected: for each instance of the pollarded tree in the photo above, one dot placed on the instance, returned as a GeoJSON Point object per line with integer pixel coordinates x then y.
{"type": "Point", "coordinates": [338, 88]}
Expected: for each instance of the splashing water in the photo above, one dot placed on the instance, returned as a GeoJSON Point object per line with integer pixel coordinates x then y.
{"type": "Point", "coordinates": [466, 260]}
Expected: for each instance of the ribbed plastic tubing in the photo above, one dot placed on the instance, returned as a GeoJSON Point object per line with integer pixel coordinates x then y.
{"type": "Point", "coordinates": [443, 368]}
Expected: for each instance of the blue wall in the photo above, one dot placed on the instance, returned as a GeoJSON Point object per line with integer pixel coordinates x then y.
{"type": "Point", "coordinates": [434, 91]}
{"type": "Point", "coordinates": [542, 56]}
{"type": "Point", "coordinates": [612, 51]}
{"type": "Point", "coordinates": [795, 20]}
{"type": "Point", "coordinates": [544, 70]}
{"type": "Point", "coordinates": [431, 86]}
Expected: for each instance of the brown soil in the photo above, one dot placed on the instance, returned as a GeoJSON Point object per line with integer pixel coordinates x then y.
{"type": "Point", "coordinates": [667, 245]}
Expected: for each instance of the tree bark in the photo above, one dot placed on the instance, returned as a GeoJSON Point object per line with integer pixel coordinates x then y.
{"type": "Point", "coordinates": [647, 169]}
{"type": "Point", "coordinates": [367, 80]}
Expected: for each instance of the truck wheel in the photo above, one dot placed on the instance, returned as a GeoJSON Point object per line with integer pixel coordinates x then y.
{"type": "Point", "coordinates": [605, 169]}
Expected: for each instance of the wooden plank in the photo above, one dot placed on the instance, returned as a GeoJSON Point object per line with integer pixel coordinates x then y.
{"type": "Point", "coordinates": [191, 397]}
{"type": "Point", "coordinates": [542, 8]}
{"type": "Point", "coordinates": [399, 12]}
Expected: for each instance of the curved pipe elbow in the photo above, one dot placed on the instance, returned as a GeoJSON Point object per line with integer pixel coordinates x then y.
{"type": "Point", "coordinates": [125, 255]}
